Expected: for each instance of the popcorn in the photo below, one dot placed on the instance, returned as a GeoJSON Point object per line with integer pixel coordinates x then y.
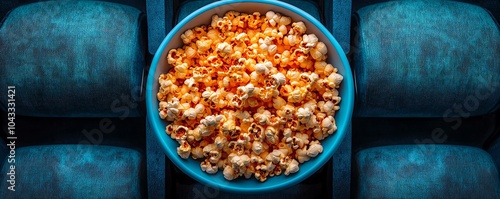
{"type": "Point", "coordinates": [262, 116]}
{"type": "Point", "coordinates": [257, 147]}
{"type": "Point", "coordinates": [301, 155]}
{"type": "Point", "coordinates": [184, 150]}
{"type": "Point", "coordinates": [209, 167]}
{"type": "Point", "coordinates": [315, 148]}
{"type": "Point", "coordinates": [187, 36]}
{"type": "Point", "coordinates": [250, 95]}
{"type": "Point", "coordinates": [328, 125]}
{"type": "Point", "coordinates": [180, 133]}
{"type": "Point", "coordinates": [292, 167]}
{"type": "Point", "coordinates": [271, 135]}
{"type": "Point", "coordinates": [197, 152]}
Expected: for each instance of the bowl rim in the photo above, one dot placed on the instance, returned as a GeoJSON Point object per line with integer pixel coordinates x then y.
{"type": "Point", "coordinates": [347, 102]}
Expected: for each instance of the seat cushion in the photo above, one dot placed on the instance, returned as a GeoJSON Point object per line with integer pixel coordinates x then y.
{"type": "Point", "coordinates": [75, 171]}
{"type": "Point", "coordinates": [73, 59]}
{"type": "Point", "coordinates": [426, 171]}
{"type": "Point", "coordinates": [426, 59]}
{"type": "Point", "coordinates": [192, 5]}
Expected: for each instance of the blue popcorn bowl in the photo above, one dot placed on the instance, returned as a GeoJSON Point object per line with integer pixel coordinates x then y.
{"type": "Point", "coordinates": [191, 167]}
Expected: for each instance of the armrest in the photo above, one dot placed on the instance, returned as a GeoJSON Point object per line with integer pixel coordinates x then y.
{"type": "Point", "coordinates": [156, 165]}
{"type": "Point", "coordinates": [160, 15]}
{"type": "Point", "coordinates": [342, 168]}
{"type": "Point", "coordinates": [338, 21]}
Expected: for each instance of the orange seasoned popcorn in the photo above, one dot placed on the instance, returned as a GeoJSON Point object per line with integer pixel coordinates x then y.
{"type": "Point", "coordinates": [250, 95]}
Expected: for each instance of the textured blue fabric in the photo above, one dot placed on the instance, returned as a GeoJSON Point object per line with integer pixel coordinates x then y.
{"type": "Point", "coordinates": [160, 14]}
{"type": "Point", "coordinates": [73, 59]}
{"type": "Point", "coordinates": [191, 5]}
{"type": "Point", "coordinates": [494, 150]}
{"type": "Point", "coordinates": [341, 179]}
{"type": "Point", "coordinates": [426, 59]}
{"type": "Point", "coordinates": [426, 171]}
{"type": "Point", "coordinates": [75, 171]}
{"type": "Point", "coordinates": [338, 20]}
{"type": "Point", "coordinates": [156, 165]}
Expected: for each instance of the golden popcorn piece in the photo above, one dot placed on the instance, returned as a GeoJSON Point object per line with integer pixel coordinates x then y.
{"type": "Point", "coordinates": [184, 150]}
{"type": "Point", "coordinates": [250, 95]}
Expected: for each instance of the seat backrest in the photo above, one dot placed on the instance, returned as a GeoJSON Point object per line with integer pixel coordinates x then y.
{"type": "Point", "coordinates": [426, 59]}
{"type": "Point", "coordinates": [425, 72]}
{"type": "Point", "coordinates": [73, 59]}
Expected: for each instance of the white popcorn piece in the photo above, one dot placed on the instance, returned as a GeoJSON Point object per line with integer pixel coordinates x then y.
{"type": "Point", "coordinates": [279, 79]}
{"type": "Point", "coordinates": [209, 167]}
{"type": "Point", "coordinates": [303, 115]}
{"type": "Point", "coordinates": [271, 135]}
{"type": "Point", "coordinates": [243, 139]}
{"type": "Point", "coordinates": [263, 68]}
{"type": "Point", "coordinates": [203, 45]}
{"type": "Point", "coordinates": [257, 147]}
{"type": "Point", "coordinates": [301, 155]}
{"type": "Point", "coordinates": [293, 167]}
{"type": "Point", "coordinates": [284, 20]}
{"type": "Point", "coordinates": [240, 161]}
{"type": "Point", "coordinates": [261, 172]}
{"type": "Point", "coordinates": [229, 173]}
{"type": "Point", "coordinates": [309, 41]}
{"type": "Point", "coordinates": [208, 148]}
{"type": "Point", "coordinates": [187, 36]}
{"type": "Point", "coordinates": [184, 150]}
{"type": "Point", "coordinates": [275, 157]}
{"type": "Point", "coordinates": [197, 152]}
{"type": "Point", "coordinates": [220, 141]}
{"type": "Point", "coordinates": [314, 149]}
{"type": "Point", "coordinates": [299, 27]}
{"type": "Point", "coordinates": [214, 156]}
{"type": "Point", "coordinates": [300, 140]}
{"type": "Point", "coordinates": [257, 131]}
{"type": "Point", "coordinates": [262, 116]}
{"type": "Point", "coordinates": [224, 49]}
{"type": "Point", "coordinates": [335, 79]}
{"type": "Point", "coordinates": [328, 125]}
{"type": "Point", "coordinates": [286, 112]}
{"type": "Point", "coordinates": [329, 108]}
{"type": "Point", "coordinates": [180, 133]}
{"type": "Point", "coordinates": [189, 114]}
{"type": "Point", "coordinates": [246, 91]}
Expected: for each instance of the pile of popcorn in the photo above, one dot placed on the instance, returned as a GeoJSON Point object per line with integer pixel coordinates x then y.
{"type": "Point", "coordinates": [249, 95]}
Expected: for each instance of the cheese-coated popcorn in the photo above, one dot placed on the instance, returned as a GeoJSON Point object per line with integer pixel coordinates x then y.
{"type": "Point", "coordinates": [250, 95]}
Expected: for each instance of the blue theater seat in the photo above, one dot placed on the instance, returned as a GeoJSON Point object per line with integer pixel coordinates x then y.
{"type": "Point", "coordinates": [428, 93]}
{"type": "Point", "coordinates": [77, 68]}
